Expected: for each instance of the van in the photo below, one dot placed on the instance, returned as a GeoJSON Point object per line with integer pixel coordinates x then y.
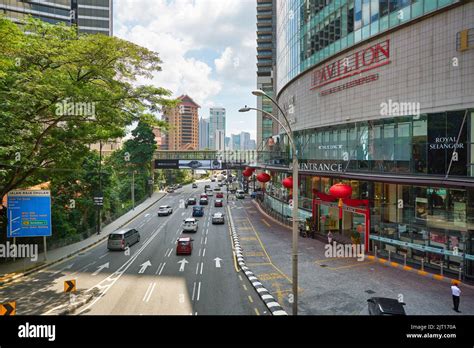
{"type": "Point", "coordinates": [120, 240]}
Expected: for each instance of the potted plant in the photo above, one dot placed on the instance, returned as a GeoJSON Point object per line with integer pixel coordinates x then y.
{"type": "Point", "coordinates": [355, 237]}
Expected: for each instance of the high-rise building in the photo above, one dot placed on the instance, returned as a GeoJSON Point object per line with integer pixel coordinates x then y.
{"type": "Point", "coordinates": [266, 23]}
{"type": "Point", "coordinates": [203, 133]}
{"type": "Point", "coordinates": [91, 16]}
{"type": "Point", "coordinates": [184, 125]}
{"type": "Point", "coordinates": [159, 137]}
{"type": "Point", "coordinates": [244, 140]}
{"type": "Point", "coordinates": [216, 122]}
{"type": "Point", "coordinates": [235, 142]}
{"type": "Point", "coordinates": [227, 143]}
{"type": "Point", "coordinates": [219, 140]}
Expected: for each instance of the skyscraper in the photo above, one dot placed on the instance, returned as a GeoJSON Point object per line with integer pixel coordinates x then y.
{"type": "Point", "coordinates": [91, 16]}
{"type": "Point", "coordinates": [203, 133]}
{"type": "Point", "coordinates": [266, 22]}
{"type": "Point", "coordinates": [184, 125]}
{"type": "Point", "coordinates": [216, 122]}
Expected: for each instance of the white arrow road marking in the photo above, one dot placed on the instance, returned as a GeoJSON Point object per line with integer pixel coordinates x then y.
{"type": "Point", "coordinates": [183, 262]}
{"type": "Point", "coordinates": [147, 215]}
{"type": "Point", "coordinates": [100, 268]}
{"type": "Point", "coordinates": [144, 266]}
{"type": "Point", "coordinates": [149, 291]}
{"type": "Point", "coordinates": [218, 262]}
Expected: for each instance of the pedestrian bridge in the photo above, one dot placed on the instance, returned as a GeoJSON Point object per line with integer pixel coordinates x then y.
{"type": "Point", "coordinates": [210, 159]}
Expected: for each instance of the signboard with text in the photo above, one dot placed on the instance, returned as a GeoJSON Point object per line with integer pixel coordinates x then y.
{"type": "Point", "coordinates": [29, 213]}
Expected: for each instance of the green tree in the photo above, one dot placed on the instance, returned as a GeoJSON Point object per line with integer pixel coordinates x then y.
{"type": "Point", "coordinates": [50, 80]}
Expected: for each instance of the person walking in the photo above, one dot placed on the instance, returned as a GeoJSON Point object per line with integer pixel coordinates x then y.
{"type": "Point", "coordinates": [456, 292]}
{"type": "Point", "coordinates": [330, 238]}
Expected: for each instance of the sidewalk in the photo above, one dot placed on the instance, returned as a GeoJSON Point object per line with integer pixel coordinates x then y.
{"type": "Point", "coordinates": [13, 270]}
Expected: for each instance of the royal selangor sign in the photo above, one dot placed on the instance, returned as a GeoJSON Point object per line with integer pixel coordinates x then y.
{"type": "Point", "coordinates": [356, 63]}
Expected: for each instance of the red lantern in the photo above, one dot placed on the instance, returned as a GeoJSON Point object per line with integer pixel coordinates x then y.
{"type": "Point", "coordinates": [288, 182]}
{"type": "Point", "coordinates": [263, 177]}
{"type": "Point", "coordinates": [247, 173]}
{"type": "Point", "coordinates": [250, 169]}
{"type": "Point", "coordinates": [341, 190]}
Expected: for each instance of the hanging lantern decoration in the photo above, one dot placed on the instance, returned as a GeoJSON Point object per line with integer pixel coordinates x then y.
{"type": "Point", "coordinates": [247, 173]}
{"type": "Point", "coordinates": [250, 169]}
{"type": "Point", "coordinates": [288, 182]}
{"type": "Point", "coordinates": [340, 191]}
{"type": "Point", "coordinates": [263, 177]}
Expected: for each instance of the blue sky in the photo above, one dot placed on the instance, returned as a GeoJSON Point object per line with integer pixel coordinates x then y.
{"type": "Point", "coordinates": [208, 49]}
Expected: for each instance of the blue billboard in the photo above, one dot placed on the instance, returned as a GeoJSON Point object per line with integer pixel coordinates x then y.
{"type": "Point", "coordinates": [29, 213]}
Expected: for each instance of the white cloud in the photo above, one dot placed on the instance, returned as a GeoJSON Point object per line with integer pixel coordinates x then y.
{"type": "Point", "coordinates": [176, 28]}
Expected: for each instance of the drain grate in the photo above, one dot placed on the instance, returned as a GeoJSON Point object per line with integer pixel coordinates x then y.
{"type": "Point", "coordinates": [370, 292]}
{"type": "Point", "coordinates": [323, 265]}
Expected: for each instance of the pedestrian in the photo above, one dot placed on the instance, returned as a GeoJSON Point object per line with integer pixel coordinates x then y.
{"type": "Point", "coordinates": [456, 292]}
{"type": "Point", "coordinates": [330, 238]}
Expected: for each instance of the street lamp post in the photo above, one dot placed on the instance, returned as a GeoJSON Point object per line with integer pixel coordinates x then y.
{"type": "Point", "coordinates": [295, 166]}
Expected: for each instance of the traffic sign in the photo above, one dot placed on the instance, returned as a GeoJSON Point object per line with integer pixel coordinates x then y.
{"type": "Point", "coordinates": [70, 285]}
{"type": "Point", "coordinates": [29, 213]}
{"type": "Point", "coordinates": [99, 200]}
{"type": "Point", "coordinates": [8, 308]}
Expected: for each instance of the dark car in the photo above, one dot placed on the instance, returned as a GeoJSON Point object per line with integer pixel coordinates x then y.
{"type": "Point", "coordinates": [206, 187]}
{"type": "Point", "coordinates": [218, 203]}
{"type": "Point", "coordinates": [198, 210]}
{"type": "Point", "coordinates": [194, 185]}
{"type": "Point", "coordinates": [203, 201]}
{"type": "Point", "coordinates": [385, 306]}
{"type": "Point", "coordinates": [191, 201]}
{"type": "Point", "coordinates": [194, 164]}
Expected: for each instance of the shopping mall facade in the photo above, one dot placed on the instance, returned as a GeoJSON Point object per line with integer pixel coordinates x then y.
{"type": "Point", "coordinates": [380, 95]}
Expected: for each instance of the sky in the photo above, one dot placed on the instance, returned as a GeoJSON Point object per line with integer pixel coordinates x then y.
{"type": "Point", "coordinates": [208, 49]}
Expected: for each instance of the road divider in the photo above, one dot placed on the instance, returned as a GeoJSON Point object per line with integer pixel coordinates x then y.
{"type": "Point", "coordinates": [274, 307]}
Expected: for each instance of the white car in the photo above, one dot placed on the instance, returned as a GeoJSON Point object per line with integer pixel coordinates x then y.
{"type": "Point", "coordinates": [190, 225]}
{"type": "Point", "coordinates": [165, 210]}
{"type": "Point", "coordinates": [240, 194]}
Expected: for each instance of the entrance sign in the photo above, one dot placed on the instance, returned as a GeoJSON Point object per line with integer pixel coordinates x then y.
{"type": "Point", "coordinates": [29, 213]}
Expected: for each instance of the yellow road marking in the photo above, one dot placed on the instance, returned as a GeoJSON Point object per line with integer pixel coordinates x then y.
{"type": "Point", "coordinates": [256, 311]}
{"type": "Point", "coordinates": [278, 292]}
{"type": "Point", "coordinates": [359, 263]}
{"type": "Point", "coordinates": [270, 276]}
{"type": "Point", "coordinates": [250, 299]}
{"type": "Point", "coordinates": [237, 269]}
{"type": "Point", "coordinates": [266, 223]}
{"type": "Point", "coordinates": [259, 264]}
{"type": "Point", "coordinates": [245, 287]}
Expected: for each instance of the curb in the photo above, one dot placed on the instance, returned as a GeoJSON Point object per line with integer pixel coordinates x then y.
{"type": "Point", "coordinates": [47, 264]}
{"type": "Point", "coordinates": [271, 303]}
{"type": "Point", "coordinates": [434, 276]}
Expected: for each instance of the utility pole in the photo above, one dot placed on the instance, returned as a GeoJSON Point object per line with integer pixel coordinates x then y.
{"type": "Point", "coordinates": [100, 187]}
{"type": "Point", "coordinates": [133, 189]}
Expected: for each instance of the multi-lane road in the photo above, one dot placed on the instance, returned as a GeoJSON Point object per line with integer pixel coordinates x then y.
{"type": "Point", "coordinates": [149, 279]}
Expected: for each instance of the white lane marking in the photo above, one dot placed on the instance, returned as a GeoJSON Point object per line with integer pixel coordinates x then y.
{"type": "Point", "coordinates": [204, 252]}
{"type": "Point", "coordinates": [171, 250]}
{"type": "Point", "coordinates": [158, 269]}
{"type": "Point", "coordinates": [207, 231]}
{"type": "Point", "coordinates": [197, 268]}
{"type": "Point", "coordinates": [240, 277]}
{"type": "Point", "coordinates": [194, 290]}
{"type": "Point", "coordinates": [108, 282]}
{"type": "Point", "coordinates": [205, 241]}
{"type": "Point", "coordinates": [103, 255]}
{"type": "Point", "coordinates": [182, 214]}
{"type": "Point", "coordinates": [149, 291]}
{"type": "Point", "coordinates": [147, 215]}
{"type": "Point", "coordinates": [83, 268]}
{"type": "Point", "coordinates": [162, 267]}
{"type": "Point", "coordinates": [199, 252]}
{"type": "Point", "coordinates": [62, 269]}
{"type": "Point", "coordinates": [199, 292]}
{"type": "Point", "coordinates": [201, 239]}
{"type": "Point", "coordinates": [202, 264]}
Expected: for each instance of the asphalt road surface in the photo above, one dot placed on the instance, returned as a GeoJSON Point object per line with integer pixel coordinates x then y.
{"type": "Point", "coordinates": [149, 279]}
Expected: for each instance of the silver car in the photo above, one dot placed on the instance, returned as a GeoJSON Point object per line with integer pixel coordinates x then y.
{"type": "Point", "coordinates": [120, 240]}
